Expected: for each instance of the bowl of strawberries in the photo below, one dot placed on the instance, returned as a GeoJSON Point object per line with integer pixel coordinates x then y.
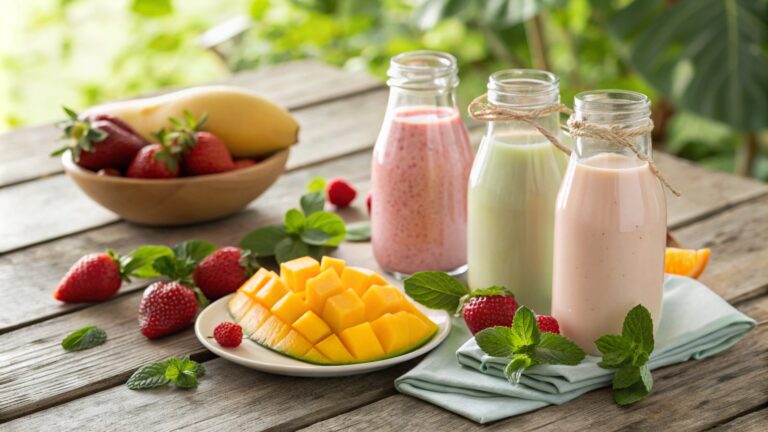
{"type": "Point", "coordinates": [184, 174]}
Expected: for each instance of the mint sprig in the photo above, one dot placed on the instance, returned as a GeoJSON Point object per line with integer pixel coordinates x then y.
{"type": "Point", "coordinates": [628, 353]}
{"type": "Point", "coordinates": [84, 338]}
{"type": "Point", "coordinates": [438, 290]}
{"type": "Point", "coordinates": [181, 371]}
{"type": "Point", "coordinates": [525, 345]}
{"type": "Point", "coordinates": [305, 231]}
{"type": "Point", "coordinates": [359, 231]}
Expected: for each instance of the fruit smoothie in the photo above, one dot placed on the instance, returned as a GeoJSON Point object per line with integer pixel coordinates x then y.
{"type": "Point", "coordinates": [420, 168]}
{"type": "Point", "coordinates": [512, 192]}
{"type": "Point", "coordinates": [610, 233]}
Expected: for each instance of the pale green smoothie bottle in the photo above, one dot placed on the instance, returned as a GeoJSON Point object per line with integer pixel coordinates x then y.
{"type": "Point", "coordinates": [513, 186]}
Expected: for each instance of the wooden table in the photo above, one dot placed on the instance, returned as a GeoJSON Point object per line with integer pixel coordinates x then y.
{"type": "Point", "coordinates": [46, 224]}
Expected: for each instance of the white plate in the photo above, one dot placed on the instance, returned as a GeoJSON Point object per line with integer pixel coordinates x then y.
{"type": "Point", "coordinates": [254, 356]}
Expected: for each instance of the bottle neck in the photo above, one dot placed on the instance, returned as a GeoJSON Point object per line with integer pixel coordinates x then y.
{"type": "Point", "coordinates": [437, 98]}
{"type": "Point", "coordinates": [519, 132]}
{"type": "Point", "coordinates": [585, 148]}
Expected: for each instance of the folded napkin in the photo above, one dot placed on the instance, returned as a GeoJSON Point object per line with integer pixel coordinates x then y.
{"type": "Point", "coordinates": [695, 323]}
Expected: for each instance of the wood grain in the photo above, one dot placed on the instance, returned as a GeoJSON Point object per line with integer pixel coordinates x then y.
{"type": "Point", "coordinates": [687, 397]}
{"type": "Point", "coordinates": [24, 151]}
{"type": "Point", "coordinates": [328, 131]}
{"type": "Point", "coordinates": [752, 422]}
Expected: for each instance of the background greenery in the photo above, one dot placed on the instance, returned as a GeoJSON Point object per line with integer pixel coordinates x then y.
{"type": "Point", "coordinates": [704, 62]}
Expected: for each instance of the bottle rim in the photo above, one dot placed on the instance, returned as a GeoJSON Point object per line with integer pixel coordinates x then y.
{"type": "Point", "coordinates": [423, 70]}
{"type": "Point", "coordinates": [523, 88]}
{"type": "Point", "coordinates": [623, 104]}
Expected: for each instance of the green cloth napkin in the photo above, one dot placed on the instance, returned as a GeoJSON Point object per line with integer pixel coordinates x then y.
{"type": "Point", "coordinates": [695, 323]}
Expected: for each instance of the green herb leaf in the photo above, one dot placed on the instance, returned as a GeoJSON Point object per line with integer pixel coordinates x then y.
{"type": "Point", "coordinates": [329, 223]}
{"type": "Point", "coordinates": [517, 365]}
{"type": "Point", "coordinates": [84, 338]}
{"type": "Point", "coordinates": [638, 327]}
{"type": "Point", "coordinates": [525, 330]}
{"type": "Point", "coordinates": [616, 350]}
{"type": "Point", "coordinates": [315, 237]}
{"type": "Point", "coordinates": [556, 349]}
{"type": "Point", "coordinates": [495, 341]}
{"type": "Point", "coordinates": [294, 221]}
{"type": "Point", "coordinates": [312, 202]}
{"type": "Point", "coordinates": [183, 372]}
{"type": "Point", "coordinates": [359, 231]}
{"type": "Point", "coordinates": [152, 8]}
{"type": "Point", "coordinates": [631, 394]}
{"type": "Point", "coordinates": [139, 262]}
{"type": "Point", "coordinates": [194, 250]}
{"type": "Point", "coordinates": [263, 241]}
{"type": "Point", "coordinates": [317, 184]}
{"type": "Point", "coordinates": [435, 290]}
{"type": "Point", "coordinates": [290, 248]}
{"type": "Point", "coordinates": [149, 376]}
{"type": "Point", "coordinates": [626, 376]}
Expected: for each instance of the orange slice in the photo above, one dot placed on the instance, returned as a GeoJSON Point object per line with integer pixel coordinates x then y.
{"type": "Point", "coordinates": [686, 262]}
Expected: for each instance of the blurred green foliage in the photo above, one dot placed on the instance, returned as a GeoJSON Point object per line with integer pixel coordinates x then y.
{"type": "Point", "coordinates": [702, 61]}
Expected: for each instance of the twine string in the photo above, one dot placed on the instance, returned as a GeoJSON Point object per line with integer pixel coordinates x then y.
{"type": "Point", "coordinates": [484, 111]}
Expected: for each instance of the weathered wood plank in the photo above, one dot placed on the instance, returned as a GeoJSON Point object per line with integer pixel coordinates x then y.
{"type": "Point", "coordinates": [328, 130]}
{"type": "Point", "coordinates": [689, 396]}
{"type": "Point", "coordinates": [28, 277]}
{"type": "Point", "coordinates": [753, 422]}
{"type": "Point", "coordinates": [24, 152]}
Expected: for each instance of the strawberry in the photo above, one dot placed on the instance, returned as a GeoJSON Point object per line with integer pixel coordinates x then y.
{"type": "Point", "coordinates": [114, 172]}
{"type": "Point", "coordinates": [99, 142]}
{"type": "Point", "coordinates": [244, 163]}
{"type": "Point", "coordinates": [154, 161]}
{"type": "Point", "coordinates": [368, 200]}
{"type": "Point", "coordinates": [485, 311]}
{"type": "Point", "coordinates": [223, 272]}
{"type": "Point", "coordinates": [93, 278]}
{"type": "Point", "coordinates": [202, 152]}
{"type": "Point", "coordinates": [228, 335]}
{"type": "Point", "coordinates": [165, 308]}
{"type": "Point", "coordinates": [548, 324]}
{"type": "Point", "coordinates": [340, 193]}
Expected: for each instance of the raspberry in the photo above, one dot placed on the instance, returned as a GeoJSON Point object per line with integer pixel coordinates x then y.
{"type": "Point", "coordinates": [340, 193]}
{"type": "Point", "coordinates": [368, 202]}
{"type": "Point", "coordinates": [548, 324]}
{"type": "Point", "coordinates": [482, 312]}
{"type": "Point", "coordinates": [228, 335]}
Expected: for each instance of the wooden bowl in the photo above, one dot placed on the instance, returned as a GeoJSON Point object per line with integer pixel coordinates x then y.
{"type": "Point", "coordinates": [180, 200]}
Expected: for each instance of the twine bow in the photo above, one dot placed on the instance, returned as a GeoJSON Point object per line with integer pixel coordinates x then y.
{"type": "Point", "coordinates": [487, 112]}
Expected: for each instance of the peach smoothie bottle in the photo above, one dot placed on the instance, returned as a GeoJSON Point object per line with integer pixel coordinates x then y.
{"type": "Point", "coordinates": [419, 171]}
{"type": "Point", "coordinates": [512, 190]}
{"type": "Point", "coordinates": [610, 225]}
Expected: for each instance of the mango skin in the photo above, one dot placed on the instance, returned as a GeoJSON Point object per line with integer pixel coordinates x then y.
{"type": "Point", "coordinates": [249, 125]}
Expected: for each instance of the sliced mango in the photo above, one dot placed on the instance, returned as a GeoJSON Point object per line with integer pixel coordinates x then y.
{"type": "Point", "coordinates": [334, 349]}
{"type": "Point", "coordinates": [332, 263]}
{"type": "Point", "coordinates": [289, 308]}
{"type": "Point", "coordinates": [320, 287]}
{"type": "Point", "coordinates": [271, 332]}
{"type": "Point", "coordinates": [380, 299]}
{"type": "Point", "coordinates": [238, 305]}
{"type": "Point", "coordinates": [315, 356]}
{"type": "Point", "coordinates": [293, 344]}
{"type": "Point", "coordinates": [271, 292]}
{"type": "Point", "coordinates": [392, 332]}
{"type": "Point", "coordinates": [253, 319]}
{"type": "Point", "coordinates": [297, 272]}
{"type": "Point", "coordinates": [255, 282]}
{"type": "Point", "coordinates": [312, 327]}
{"type": "Point", "coordinates": [344, 310]}
{"type": "Point", "coordinates": [361, 341]}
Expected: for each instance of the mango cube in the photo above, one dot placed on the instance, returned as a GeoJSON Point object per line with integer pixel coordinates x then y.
{"type": "Point", "coordinates": [361, 341]}
{"type": "Point", "coordinates": [315, 356]}
{"type": "Point", "coordinates": [332, 263]}
{"type": "Point", "coordinates": [294, 344]}
{"type": "Point", "coordinates": [332, 348]}
{"type": "Point", "coordinates": [296, 272]}
{"type": "Point", "coordinates": [392, 332]}
{"type": "Point", "coordinates": [254, 284]}
{"type": "Point", "coordinates": [254, 318]}
{"type": "Point", "coordinates": [289, 308]}
{"type": "Point", "coordinates": [271, 292]}
{"type": "Point", "coordinates": [359, 279]}
{"type": "Point", "coordinates": [343, 310]}
{"type": "Point", "coordinates": [312, 327]}
{"type": "Point", "coordinates": [320, 287]}
{"type": "Point", "coordinates": [271, 332]}
{"type": "Point", "coordinates": [238, 305]}
{"type": "Point", "coordinates": [380, 299]}
{"type": "Point", "coordinates": [418, 330]}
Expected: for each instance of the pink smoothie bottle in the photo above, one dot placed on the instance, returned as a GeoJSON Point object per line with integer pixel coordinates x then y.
{"type": "Point", "coordinates": [610, 225]}
{"type": "Point", "coordinates": [420, 169]}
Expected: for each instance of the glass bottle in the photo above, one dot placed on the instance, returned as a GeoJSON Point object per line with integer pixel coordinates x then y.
{"type": "Point", "coordinates": [420, 167]}
{"type": "Point", "coordinates": [610, 225]}
{"type": "Point", "coordinates": [512, 190]}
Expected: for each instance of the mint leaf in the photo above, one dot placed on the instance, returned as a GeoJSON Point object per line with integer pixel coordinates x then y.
{"type": "Point", "coordinates": [84, 338]}
{"type": "Point", "coordinates": [631, 394]}
{"type": "Point", "coordinates": [525, 330]}
{"type": "Point", "coordinates": [317, 184]}
{"type": "Point", "coordinates": [359, 231]}
{"type": "Point", "coordinates": [312, 202]}
{"type": "Point", "coordinates": [495, 341]}
{"type": "Point", "coordinates": [435, 290]}
{"type": "Point", "coordinates": [556, 349]}
{"type": "Point", "coordinates": [330, 224]}
{"type": "Point", "coordinates": [139, 262]}
{"type": "Point", "coordinates": [638, 327]}
{"type": "Point", "coordinates": [315, 237]}
{"type": "Point", "coordinates": [183, 372]}
{"type": "Point", "coordinates": [646, 377]}
{"type": "Point", "coordinates": [290, 248]}
{"type": "Point", "coordinates": [516, 367]}
{"type": "Point", "coordinates": [263, 241]}
{"type": "Point", "coordinates": [617, 351]}
{"type": "Point", "coordinates": [294, 221]}
{"type": "Point", "coordinates": [149, 376]}
{"type": "Point", "coordinates": [626, 376]}
{"type": "Point", "coordinates": [193, 250]}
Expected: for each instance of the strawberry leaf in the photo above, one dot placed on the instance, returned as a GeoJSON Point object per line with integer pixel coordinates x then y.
{"type": "Point", "coordinates": [84, 338]}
